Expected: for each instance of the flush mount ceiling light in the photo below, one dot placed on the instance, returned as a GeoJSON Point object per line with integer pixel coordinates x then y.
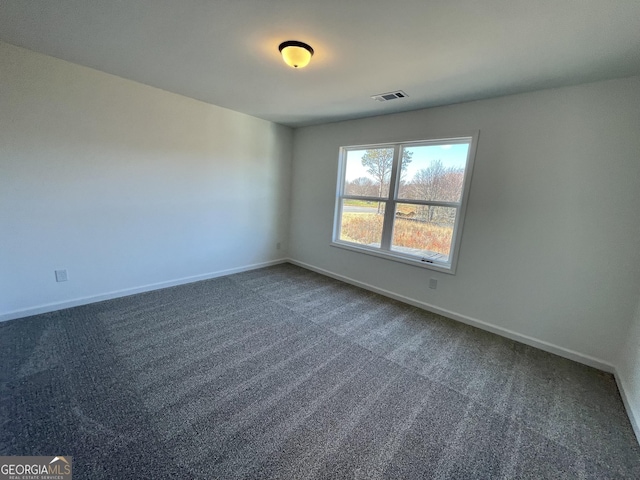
{"type": "Point", "coordinates": [295, 54]}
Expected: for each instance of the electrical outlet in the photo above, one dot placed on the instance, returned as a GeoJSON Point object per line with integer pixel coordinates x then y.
{"type": "Point", "coordinates": [433, 283]}
{"type": "Point", "coordinates": [278, 246]}
{"type": "Point", "coordinates": [61, 276]}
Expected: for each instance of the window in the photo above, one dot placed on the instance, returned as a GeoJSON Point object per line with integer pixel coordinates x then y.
{"type": "Point", "coordinates": [405, 201]}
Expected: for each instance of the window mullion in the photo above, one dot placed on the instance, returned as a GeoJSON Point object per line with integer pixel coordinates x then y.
{"type": "Point", "coordinates": [390, 205]}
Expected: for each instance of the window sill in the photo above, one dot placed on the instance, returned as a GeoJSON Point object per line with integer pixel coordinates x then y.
{"type": "Point", "coordinates": [396, 257]}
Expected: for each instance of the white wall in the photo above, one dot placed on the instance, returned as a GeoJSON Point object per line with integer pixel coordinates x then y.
{"type": "Point", "coordinates": [126, 186]}
{"type": "Point", "coordinates": [629, 372]}
{"type": "Point", "coordinates": [550, 244]}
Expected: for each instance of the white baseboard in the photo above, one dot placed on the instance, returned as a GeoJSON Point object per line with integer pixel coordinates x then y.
{"type": "Point", "coordinates": [542, 345]}
{"type": "Point", "coordinates": [504, 332]}
{"type": "Point", "coordinates": [50, 307]}
{"type": "Point", "coordinates": [634, 417]}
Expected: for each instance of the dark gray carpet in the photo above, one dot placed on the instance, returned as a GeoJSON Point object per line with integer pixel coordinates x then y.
{"type": "Point", "coordinates": [283, 373]}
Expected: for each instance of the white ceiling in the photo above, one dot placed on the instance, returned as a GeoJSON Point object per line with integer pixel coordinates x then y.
{"type": "Point", "coordinates": [439, 52]}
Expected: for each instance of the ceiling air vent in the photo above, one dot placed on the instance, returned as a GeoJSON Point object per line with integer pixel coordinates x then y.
{"type": "Point", "coordinates": [383, 97]}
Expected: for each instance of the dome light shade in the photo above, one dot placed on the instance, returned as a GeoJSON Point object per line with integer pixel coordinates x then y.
{"type": "Point", "coordinates": [296, 54]}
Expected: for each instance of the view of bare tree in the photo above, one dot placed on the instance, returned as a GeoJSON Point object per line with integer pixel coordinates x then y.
{"type": "Point", "coordinates": [438, 183]}
{"type": "Point", "coordinates": [379, 162]}
{"type": "Point", "coordinates": [362, 186]}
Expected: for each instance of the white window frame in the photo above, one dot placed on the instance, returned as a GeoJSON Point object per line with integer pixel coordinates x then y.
{"type": "Point", "coordinates": [392, 200]}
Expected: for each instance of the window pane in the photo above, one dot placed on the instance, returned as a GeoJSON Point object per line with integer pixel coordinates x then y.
{"type": "Point", "coordinates": [368, 172]}
{"type": "Point", "coordinates": [361, 222]}
{"type": "Point", "coordinates": [423, 230]}
{"type": "Point", "coordinates": [433, 172]}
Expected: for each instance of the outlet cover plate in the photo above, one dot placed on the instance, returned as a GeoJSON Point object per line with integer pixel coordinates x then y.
{"type": "Point", "coordinates": [61, 276]}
